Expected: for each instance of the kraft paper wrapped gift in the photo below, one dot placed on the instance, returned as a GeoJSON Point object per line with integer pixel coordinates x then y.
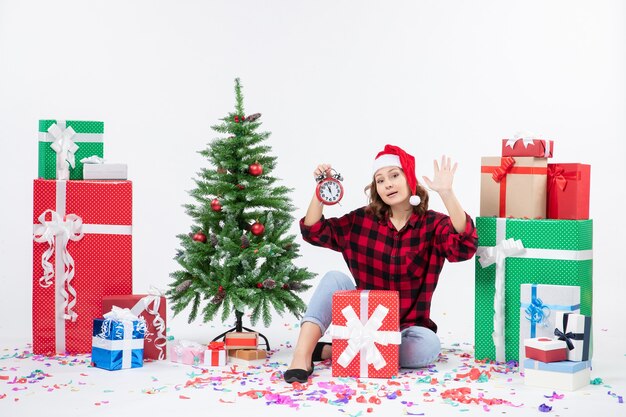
{"type": "Point", "coordinates": [575, 330]}
{"type": "Point", "coordinates": [82, 252]}
{"type": "Point", "coordinates": [513, 252]}
{"type": "Point", "coordinates": [117, 341]}
{"type": "Point", "coordinates": [62, 145]}
{"type": "Point", "coordinates": [544, 349]}
{"type": "Point", "coordinates": [248, 354]}
{"type": "Point", "coordinates": [513, 187]}
{"type": "Point", "coordinates": [215, 355]}
{"type": "Point", "coordinates": [564, 375]}
{"type": "Point", "coordinates": [568, 191]}
{"type": "Point", "coordinates": [366, 334]}
{"type": "Point", "coordinates": [152, 308]}
{"type": "Point", "coordinates": [539, 308]}
{"type": "Point", "coordinates": [186, 352]}
{"type": "Point", "coordinates": [538, 148]}
{"type": "Point", "coordinates": [241, 340]}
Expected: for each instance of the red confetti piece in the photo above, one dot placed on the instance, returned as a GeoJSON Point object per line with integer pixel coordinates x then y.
{"type": "Point", "coordinates": [4, 377]}
{"type": "Point", "coordinates": [183, 397]}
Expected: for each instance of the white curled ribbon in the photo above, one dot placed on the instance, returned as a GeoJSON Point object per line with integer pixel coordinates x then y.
{"type": "Point", "coordinates": [150, 304]}
{"type": "Point", "coordinates": [488, 256]}
{"type": "Point", "coordinates": [525, 137]}
{"type": "Point", "coordinates": [93, 159]}
{"type": "Point", "coordinates": [363, 337]}
{"type": "Point", "coordinates": [59, 231]}
{"type": "Point", "coordinates": [65, 148]}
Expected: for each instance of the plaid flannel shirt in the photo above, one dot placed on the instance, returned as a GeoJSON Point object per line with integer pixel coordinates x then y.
{"type": "Point", "coordinates": [408, 261]}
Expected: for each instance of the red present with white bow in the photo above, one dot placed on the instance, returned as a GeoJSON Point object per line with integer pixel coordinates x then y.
{"type": "Point", "coordinates": [527, 145]}
{"type": "Point", "coordinates": [366, 334]}
{"type": "Point", "coordinates": [82, 252]}
{"type": "Point", "coordinates": [151, 308]}
{"type": "Point", "coordinates": [545, 349]}
{"type": "Point", "coordinates": [215, 355]}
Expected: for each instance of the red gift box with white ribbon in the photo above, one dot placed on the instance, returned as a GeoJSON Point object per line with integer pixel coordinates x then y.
{"type": "Point", "coordinates": [366, 334]}
{"type": "Point", "coordinates": [82, 252]}
{"type": "Point", "coordinates": [527, 146]}
{"type": "Point", "coordinates": [150, 307]}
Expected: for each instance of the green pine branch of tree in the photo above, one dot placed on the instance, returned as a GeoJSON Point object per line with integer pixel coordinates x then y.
{"type": "Point", "coordinates": [238, 256]}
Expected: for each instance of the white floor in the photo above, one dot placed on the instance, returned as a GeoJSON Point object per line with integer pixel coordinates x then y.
{"type": "Point", "coordinates": [68, 386]}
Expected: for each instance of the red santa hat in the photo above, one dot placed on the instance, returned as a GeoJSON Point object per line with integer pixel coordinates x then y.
{"type": "Point", "coordinates": [394, 156]}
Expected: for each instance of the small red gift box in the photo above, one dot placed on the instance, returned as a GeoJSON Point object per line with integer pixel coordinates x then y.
{"type": "Point", "coordinates": [82, 252]}
{"type": "Point", "coordinates": [366, 334]}
{"type": "Point", "coordinates": [544, 349]}
{"type": "Point", "coordinates": [539, 148]}
{"type": "Point", "coordinates": [568, 191]}
{"type": "Point", "coordinates": [241, 340]}
{"type": "Point", "coordinates": [152, 309]}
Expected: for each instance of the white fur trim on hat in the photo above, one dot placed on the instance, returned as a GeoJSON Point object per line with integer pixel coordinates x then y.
{"type": "Point", "coordinates": [386, 160]}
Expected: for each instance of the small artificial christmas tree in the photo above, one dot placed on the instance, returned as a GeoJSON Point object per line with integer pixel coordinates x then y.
{"type": "Point", "coordinates": [238, 255]}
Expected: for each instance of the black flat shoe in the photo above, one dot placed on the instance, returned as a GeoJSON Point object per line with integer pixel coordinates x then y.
{"type": "Point", "coordinates": [317, 352]}
{"type": "Point", "coordinates": [298, 375]}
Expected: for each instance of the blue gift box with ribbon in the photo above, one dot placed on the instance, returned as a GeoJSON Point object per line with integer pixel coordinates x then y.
{"type": "Point", "coordinates": [117, 342]}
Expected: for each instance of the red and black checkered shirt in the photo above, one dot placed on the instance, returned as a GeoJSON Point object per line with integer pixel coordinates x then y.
{"type": "Point", "coordinates": [408, 261]}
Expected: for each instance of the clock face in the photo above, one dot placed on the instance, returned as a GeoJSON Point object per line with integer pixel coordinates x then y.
{"type": "Point", "coordinates": [329, 191]}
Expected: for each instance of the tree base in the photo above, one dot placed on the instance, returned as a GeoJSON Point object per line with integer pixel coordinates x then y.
{"type": "Point", "coordinates": [239, 328]}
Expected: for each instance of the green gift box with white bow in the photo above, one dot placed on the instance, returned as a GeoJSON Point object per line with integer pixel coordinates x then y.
{"type": "Point", "coordinates": [513, 252]}
{"type": "Point", "coordinates": [63, 143]}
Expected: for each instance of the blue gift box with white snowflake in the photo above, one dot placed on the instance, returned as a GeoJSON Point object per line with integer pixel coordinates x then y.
{"type": "Point", "coordinates": [117, 341]}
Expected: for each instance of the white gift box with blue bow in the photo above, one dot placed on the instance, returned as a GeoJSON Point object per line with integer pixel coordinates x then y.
{"type": "Point", "coordinates": [117, 341]}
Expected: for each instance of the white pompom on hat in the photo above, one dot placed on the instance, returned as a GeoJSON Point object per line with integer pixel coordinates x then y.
{"type": "Point", "coordinates": [394, 156]}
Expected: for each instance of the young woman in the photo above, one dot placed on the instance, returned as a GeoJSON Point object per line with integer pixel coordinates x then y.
{"type": "Point", "coordinates": [394, 243]}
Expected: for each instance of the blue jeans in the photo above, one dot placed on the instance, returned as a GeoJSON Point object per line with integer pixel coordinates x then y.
{"type": "Point", "coordinates": [420, 346]}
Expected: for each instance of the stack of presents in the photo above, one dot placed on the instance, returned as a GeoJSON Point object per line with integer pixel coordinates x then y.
{"type": "Point", "coordinates": [534, 264]}
{"type": "Point", "coordinates": [82, 255]}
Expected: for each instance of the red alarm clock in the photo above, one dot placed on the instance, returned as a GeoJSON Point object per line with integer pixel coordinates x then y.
{"type": "Point", "coordinates": [329, 190]}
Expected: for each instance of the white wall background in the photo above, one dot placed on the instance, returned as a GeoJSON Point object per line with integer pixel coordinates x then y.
{"type": "Point", "coordinates": [335, 81]}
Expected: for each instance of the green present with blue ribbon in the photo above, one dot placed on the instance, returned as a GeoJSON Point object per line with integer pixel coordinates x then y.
{"type": "Point", "coordinates": [513, 252]}
{"type": "Point", "coordinates": [64, 143]}
{"type": "Point", "coordinates": [118, 340]}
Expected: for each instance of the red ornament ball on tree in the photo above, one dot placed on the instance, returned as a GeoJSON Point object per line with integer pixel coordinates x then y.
{"type": "Point", "coordinates": [220, 289]}
{"type": "Point", "coordinates": [259, 285]}
{"type": "Point", "coordinates": [199, 237]}
{"type": "Point", "coordinates": [215, 205]}
{"type": "Point", "coordinates": [257, 229]}
{"type": "Point", "coordinates": [255, 169]}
